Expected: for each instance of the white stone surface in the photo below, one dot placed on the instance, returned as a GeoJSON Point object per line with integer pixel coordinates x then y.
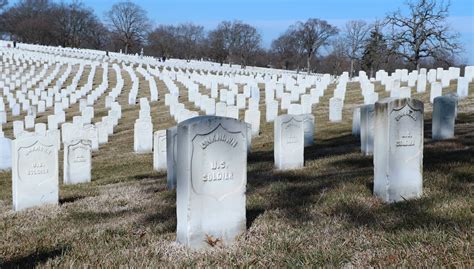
{"type": "Point", "coordinates": [253, 117]}
{"type": "Point", "coordinates": [308, 126]}
{"type": "Point", "coordinates": [171, 152]}
{"type": "Point", "coordinates": [367, 125]}
{"type": "Point", "coordinates": [5, 153]}
{"type": "Point", "coordinates": [398, 149]}
{"type": "Point", "coordinates": [34, 172]}
{"type": "Point", "coordinates": [159, 150]}
{"type": "Point", "coordinates": [77, 162]}
{"type": "Point", "coordinates": [335, 109]}
{"type": "Point", "coordinates": [356, 121]}
{"type": "Point", "coordinates": [143, 137]}
{"type": "Point", "coordinates": [289, 142]}
{"type": "Point", "coordinates": [211, 180]}
{"type": "Point", "coordinates": [444, 116]}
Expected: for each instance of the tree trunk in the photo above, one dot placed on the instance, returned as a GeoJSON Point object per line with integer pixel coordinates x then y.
{"type": "Point", "coordinates": [308, 64]}
{"type": "Point", "coordinates": [126, 48]}
{"type": "Point", "coordinates": [352, 68]}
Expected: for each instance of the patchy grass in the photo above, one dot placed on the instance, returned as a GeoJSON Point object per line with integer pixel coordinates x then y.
{"type": "Point", "coordinates": [324, 214]}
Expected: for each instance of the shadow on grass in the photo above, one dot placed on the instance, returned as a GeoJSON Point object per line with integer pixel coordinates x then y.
{"type": "Point", "coordinates": [71, 199]}
{"type": "Point", "coordinates": [406, 215]}
{"type": "Point", "coordinates": [34, 259]}
{"type": "Point", "coordinates": [252, 215]}
{"type": "Point", "coordinates": [321, 149]}
{"type": "Point", "coordinates": [164, 216]}
{"type": "Point", "coordinates": [294, 193]}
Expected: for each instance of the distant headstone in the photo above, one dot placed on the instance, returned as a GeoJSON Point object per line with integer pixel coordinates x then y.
{"type": "Point", "coordinates": [356, 121]}
{"type": "Point", "coordinates": [289, 142]}
{"type": "Point", "coordinates": [253, 117]}
{"type": "Point", "coordinates": [5, 153]}
{"type": "Point", "coordinates": [77, 162]}
{"type": "Point", "coordinates": [444, 115]}
{"type": "Point", "coordinates": [335, 109]}
{"type": "Point", "coordinates": [308, 126]}
{"type": "Point", "coordinates": [143, 136]}
{"type": "Point", "coordinates": [367, 125]}
{"type": "Point", "coordinates": [159, 150]}
{"type": "Point", "coordinates": [171, 151]}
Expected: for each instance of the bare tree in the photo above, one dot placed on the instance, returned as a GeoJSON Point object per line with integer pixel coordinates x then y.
{"type": "Point", "coordinates": [312, 35]}
{"type": "Point", "coordinates": [190, 39]}
{"type": "Point", "coordinates": [3, 4]}
{"type": "Point", "coordinates": [218, 49]}
{"type": "Point", "coordinates": [355, 36]}
{"type": "Point", "coordinates": [75, 25]}
{"type": "Point", "coordinates": [129, 23]}
{"type": "Point", "coordinates": [287, 49]}
{"type": "Point", "coordinates": [162, 41]}
{"type": "Point", "coordinates": [423, 32]}
{"type": "Point", "coordinates": [244, 42]}
{"type": "Point", "coordinates": [30, 21]}
{"type": "Point", "coordinates": [376, 51]}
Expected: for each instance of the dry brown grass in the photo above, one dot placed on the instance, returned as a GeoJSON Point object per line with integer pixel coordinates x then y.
{"type": "Point", "coordinates": [324, 214]}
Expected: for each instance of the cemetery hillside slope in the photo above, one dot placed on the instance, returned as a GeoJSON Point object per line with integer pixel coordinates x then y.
{"type": "Point", "coordinates": [323, 214]}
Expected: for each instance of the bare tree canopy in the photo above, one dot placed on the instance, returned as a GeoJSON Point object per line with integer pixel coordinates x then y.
{"type": "Point", "coordinates": [424, 32]}
{"type": "Point", "coordinates": [312, 35]}
{"type": "Point", "coordinates": [244, 42]}
{"type": "Point", "coordinates": [287, 49]}
{"type": "Point", "coordinates": [217, 42]}
{"type": "Point", "coordinates": [417, 36]}
{"type": "Point", "coordinates": [129, 23]}
{"type": "Point", "coordinates": [355, 36]}
{"type": "Point", "coordinates": [30, 21]}
{"type": "Point", "coordinates": [76, 25]}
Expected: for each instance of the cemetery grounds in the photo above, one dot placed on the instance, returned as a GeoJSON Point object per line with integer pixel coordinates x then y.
{"type": "Point", "coordinates": [323, 214]}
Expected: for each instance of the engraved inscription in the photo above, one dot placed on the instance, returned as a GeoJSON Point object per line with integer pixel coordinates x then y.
{"type": "Point", "coordinates": [407, 113]}
{"type": "Point", "coordinates": [219, 171]}
{"type": "Point", "coordinates": [217, 168]}
{"type": "Point", "coordinates": [38, 148]}
{"type": "Point", "coordinates": [38, 168]}
{"type": "Point", "coordinates": [216, 138]}
{"type": "Point", "coordinates": [406, 140]}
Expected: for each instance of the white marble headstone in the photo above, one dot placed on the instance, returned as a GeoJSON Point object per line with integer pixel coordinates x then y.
{"type": "Point", "coordinates": [34, 172]}
{"type": "Point", "coordinates": [77, 162]}
{"type": "Point", "coordinates": [159, 150]}
{"type": "Point", "coordinates": [289, 142]}
{"type": "Point", "coordinates": [398, 149]}
{"type": "Point", "coordinates": [211, 180]}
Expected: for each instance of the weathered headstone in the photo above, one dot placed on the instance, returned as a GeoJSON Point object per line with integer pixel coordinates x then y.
{"type": "Point", "coordinates": [367, 121]}
{"type": "Point", "coordinates": [253, 117]}
{"type": "Point", "coordinates": [143, 137]}
{"type": "Point", "coordinates": [211, 181]}
{"type": "Point", "coordinates": [356, 121]}
{"type": "Point", "coordinates": [171, 152]}
{"type": "Point", "coordinates": [444, 115]}
{"type": "Point", "coordinates": [308, 126]}
{"type": "Point", "coordinates": [34, 172]}
{"type": "Point", "coordinates": [398, 149]}
{"type": "Point", "coordinates": [159, 150]}
{"type": "Point", "coordinates": [289, 142]}
{"type": "Point", "coordinates": [5, 153]}
{"type": "Point", "coordinates": [77, 162]}
{"type": "Point", "coordinates": [335, 109]}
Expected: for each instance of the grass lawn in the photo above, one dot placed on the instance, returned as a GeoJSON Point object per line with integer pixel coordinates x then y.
{"type": "Point", "coordinates": [323, 214]}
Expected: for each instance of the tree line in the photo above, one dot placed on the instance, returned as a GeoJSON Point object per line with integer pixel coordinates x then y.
{"type": "Point", "coordinates": [418, 37]}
